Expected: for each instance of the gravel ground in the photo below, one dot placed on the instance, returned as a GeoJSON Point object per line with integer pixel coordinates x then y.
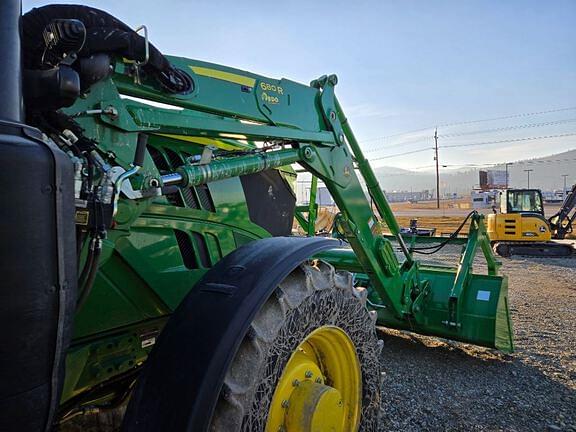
{"type": "Point", "coordinates": [435, 385]}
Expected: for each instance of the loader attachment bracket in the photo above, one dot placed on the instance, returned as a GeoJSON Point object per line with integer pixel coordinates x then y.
{"type": "Point", "coordinates": [477, 237]}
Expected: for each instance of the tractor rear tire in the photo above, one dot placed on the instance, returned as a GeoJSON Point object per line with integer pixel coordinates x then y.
{"type": "Point", "coordinates": [314, 296]}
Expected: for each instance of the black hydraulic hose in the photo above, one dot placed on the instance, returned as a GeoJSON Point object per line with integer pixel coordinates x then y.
{"type": "Point", "coordinates": [429, 250]}
{"type": "Point", "coordinates": [89, 283]}
{"type": "Point", "coordinates": [88, 264]}
{"type": "Point", "coordinates": [88, 276]}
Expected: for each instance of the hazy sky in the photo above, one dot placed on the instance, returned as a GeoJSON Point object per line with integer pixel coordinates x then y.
{"type": "Point", "coordinates": [402, 65]}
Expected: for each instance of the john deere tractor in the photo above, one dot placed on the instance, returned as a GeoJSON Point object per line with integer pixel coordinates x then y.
{"type": "Point", "coordinates": [146, 251]}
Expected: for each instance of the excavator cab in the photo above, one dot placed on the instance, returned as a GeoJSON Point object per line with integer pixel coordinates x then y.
{"type": "Point", "coordinates": [521, 201]}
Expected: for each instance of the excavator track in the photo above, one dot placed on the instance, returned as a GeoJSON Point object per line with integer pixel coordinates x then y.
{"type": "Point", "coordinates": [549, 249]}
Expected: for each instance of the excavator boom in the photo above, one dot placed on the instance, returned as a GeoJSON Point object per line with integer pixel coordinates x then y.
{"type": "Point", "coordinates": [561, 222]}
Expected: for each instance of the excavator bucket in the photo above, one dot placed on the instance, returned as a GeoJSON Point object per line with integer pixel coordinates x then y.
{"type": "Point", "coordinates": [479, 315]}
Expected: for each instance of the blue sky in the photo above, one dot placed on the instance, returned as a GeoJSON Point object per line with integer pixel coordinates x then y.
{"type": "Point", "coordinates": [402, 65]}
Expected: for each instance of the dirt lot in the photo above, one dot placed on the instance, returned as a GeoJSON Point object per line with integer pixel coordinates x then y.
{"type": "Point", "coordinates": [433, 385]}
{"type": "Point", "coordinates": [447, 218]}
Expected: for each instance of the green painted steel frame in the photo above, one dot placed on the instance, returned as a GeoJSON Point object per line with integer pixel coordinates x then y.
{"type": "Point", "coordinates": [241, 108]}
{"type": "Point", "coordinates": [329, 150]}
{"type": "Point", "coordinates": [326, 147]}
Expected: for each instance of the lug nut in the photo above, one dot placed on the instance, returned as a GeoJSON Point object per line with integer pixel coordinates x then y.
{"type": "Point", "coordinates": [285, 403]}
{"type": "Point", "coordinates": [308, 374]}
{"type": "Point", "coordinates": [295, 383]}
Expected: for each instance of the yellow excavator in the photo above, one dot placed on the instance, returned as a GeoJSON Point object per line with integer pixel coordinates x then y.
{"type": "Point", "coordinates": [520, 228]}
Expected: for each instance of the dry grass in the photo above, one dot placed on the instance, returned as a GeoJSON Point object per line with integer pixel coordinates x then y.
{"type": "Point", "coordinates": [446, 219]}
{"type": "Point", "coordinates": [444, 224]}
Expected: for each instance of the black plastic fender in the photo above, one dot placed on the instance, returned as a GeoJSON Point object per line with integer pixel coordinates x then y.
{"type": "Point", "coordinates": [181, 380]}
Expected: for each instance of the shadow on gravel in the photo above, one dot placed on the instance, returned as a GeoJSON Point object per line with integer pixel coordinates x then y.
{"type": "Point", "coordinates": [436, 385]}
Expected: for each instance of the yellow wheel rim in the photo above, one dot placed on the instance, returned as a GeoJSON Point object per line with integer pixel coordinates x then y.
{"type": "Point", "coordinates": [320, 389]}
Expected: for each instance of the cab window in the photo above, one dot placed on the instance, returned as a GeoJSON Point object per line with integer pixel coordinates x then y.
{"type": "Point", "coordinates": [524, 201]}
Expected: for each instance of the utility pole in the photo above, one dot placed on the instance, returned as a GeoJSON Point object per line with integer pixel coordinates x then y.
{"type": "Point", "coordinates": [528, 171]}
{"type": "Point", "coordinates": [437, 171]}
{"type": "Point", "coordinates": [507, 164]}
{"type": "Point", "coordinates": [564, 190]}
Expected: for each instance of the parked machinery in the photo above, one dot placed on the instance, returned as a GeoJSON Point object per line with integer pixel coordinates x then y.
{"type": "Point", "coordinates": [520, 227]}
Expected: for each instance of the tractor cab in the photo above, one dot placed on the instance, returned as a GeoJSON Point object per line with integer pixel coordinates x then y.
{"type": "Point", "coordinates": [521, 201]}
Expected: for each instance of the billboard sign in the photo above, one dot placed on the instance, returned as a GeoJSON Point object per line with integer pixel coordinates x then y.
{"type": "Point", "coordinates": [492, 179]}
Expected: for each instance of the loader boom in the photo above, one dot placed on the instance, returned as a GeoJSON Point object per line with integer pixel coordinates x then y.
{"type": "Point", "coordinates": [229, 108]}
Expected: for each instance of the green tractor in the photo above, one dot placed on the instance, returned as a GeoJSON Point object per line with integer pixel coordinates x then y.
{"type": "Point", "coordinates": [147, 259]}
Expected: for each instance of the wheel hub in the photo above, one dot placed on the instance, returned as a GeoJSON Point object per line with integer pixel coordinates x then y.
{"type": "Point", "coordinates": [315, 407]}
{"type": "Point", "coordinates": [320, 387]}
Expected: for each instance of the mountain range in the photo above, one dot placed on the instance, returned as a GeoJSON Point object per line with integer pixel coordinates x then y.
{"type": "Point", "coordinates": [546, 175]}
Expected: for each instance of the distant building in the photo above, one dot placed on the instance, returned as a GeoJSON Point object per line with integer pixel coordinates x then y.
{"type": "Point", "coordinates": [403, 196]}
{"type": "Point", "coordinates": [484, 199]}
{"type": "Point", "coordinates": [552, 197]}
{"type": "Point", "coordinates": [323, 197]}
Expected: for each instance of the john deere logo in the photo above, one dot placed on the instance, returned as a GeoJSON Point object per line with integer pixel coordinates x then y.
{"type": "Point", "coordinates": [269, 99]}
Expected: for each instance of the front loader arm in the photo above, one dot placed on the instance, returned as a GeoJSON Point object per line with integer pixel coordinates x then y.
{"type": "Point", "coordinates": [306, 125]}
{"type": "Point", "coordinates": [227, 103]}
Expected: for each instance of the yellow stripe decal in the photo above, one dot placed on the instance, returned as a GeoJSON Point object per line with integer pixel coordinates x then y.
{"type": "Point", "coordinates": [224, 76]}
{"type": "Point", "coordinates": [203, 141]}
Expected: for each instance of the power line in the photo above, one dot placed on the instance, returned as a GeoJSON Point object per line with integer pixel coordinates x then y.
{"type": "Point", "coordinates": [398, 134]}
{"type": "Point", "coordinates": [374, 149]}
{"type": "Point", "coordinates": [508, 141]}
{"type": "Point", "coordinates": [437, 168]}
{"type": "Point", "coordinates": [402, 154]}
{"type": "Point", "coordinates": [524, 126]}
{"type": "Point", "coordinates": [404, 143]}
{"type": "Point", "coordinates": [488, 164]}
{"type": "Point", "coordinates": [507, 117]}
{"type": "Point", "coordinates": [472, 122]}
{"type": "Point", "coordinates": [473, 145]}
{"type": "Point", "coordinates": [494, 164]}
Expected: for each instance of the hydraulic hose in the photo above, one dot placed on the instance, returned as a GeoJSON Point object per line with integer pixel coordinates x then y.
{"type": "Point", "coordinates": [429, 250]}
{"type": "Point", "coordinates": [87, 285]}
{"type": "Point", "coordinates": [88, 264]}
